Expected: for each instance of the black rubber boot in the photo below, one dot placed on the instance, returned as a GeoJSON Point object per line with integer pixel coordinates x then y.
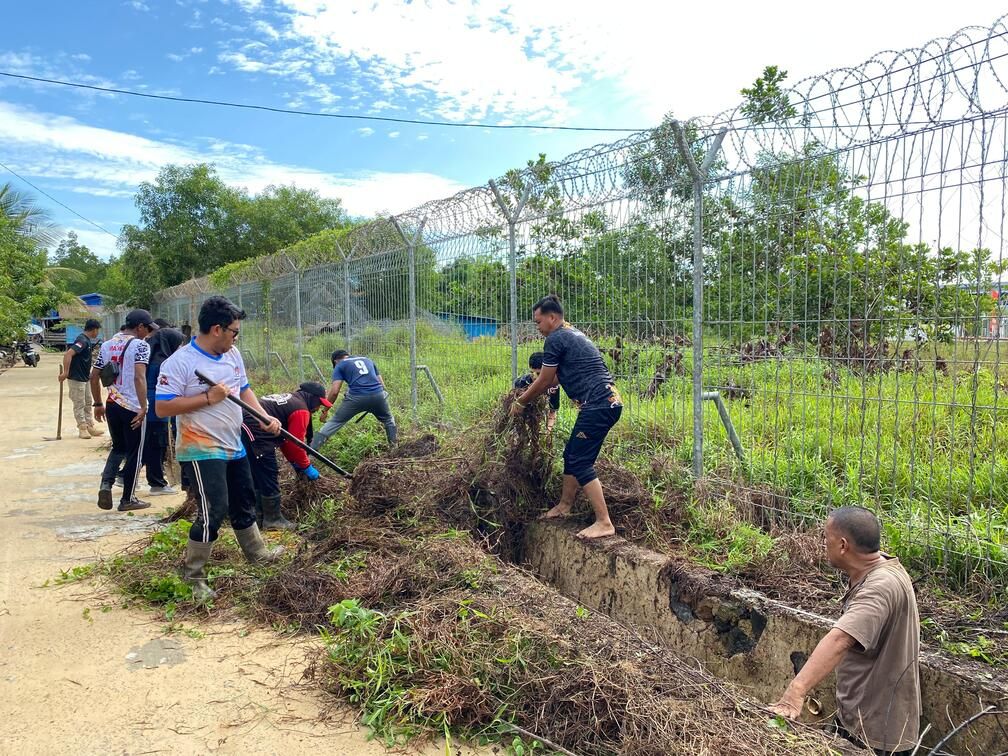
{"type": "Point", "coordinates": [273, 518]}
{"type": "Point", "coordinates": [259, 510]}
{"type": "Point", "coordinates": [194, 569]}
{"type": "Point", "coordinates": [254, 548]}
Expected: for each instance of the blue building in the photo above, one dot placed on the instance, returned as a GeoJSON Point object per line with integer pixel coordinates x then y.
{"type": "Point", "coordinates": [474, 326]}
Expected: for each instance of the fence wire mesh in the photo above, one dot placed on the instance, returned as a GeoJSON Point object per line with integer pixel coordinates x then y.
{"type": "Point", "coordinates": [800, 298]}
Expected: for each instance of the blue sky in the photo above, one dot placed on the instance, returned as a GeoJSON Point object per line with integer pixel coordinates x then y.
{"type": "Point", "coordinates": [526, 61]}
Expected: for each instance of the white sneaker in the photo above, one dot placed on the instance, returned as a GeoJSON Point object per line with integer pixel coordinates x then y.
{"type": "Point", "coordinates": [162, 491]}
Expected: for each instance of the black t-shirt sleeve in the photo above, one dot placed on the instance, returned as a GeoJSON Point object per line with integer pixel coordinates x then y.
{"type": "Point", "coordinates": [554, 347]}
{"type": "Point", "coordinates": [79, 344]}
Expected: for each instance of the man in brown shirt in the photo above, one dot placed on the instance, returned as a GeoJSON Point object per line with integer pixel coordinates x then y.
{"type": "Point", "coordinates": [873, 646]}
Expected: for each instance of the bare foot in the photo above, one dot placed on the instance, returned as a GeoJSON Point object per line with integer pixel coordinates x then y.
{"type": "Point", "coordinates": [598, 530]}
{"type": "Point", "coordinates": [560, 510]}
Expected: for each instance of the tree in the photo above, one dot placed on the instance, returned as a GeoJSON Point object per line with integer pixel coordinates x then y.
{"type": "Point", "coordinates": [26, 290]}
{"type": "Point", "coordinates": [192, 223]}
{"type": "Point", "coordinates": [72, 255]}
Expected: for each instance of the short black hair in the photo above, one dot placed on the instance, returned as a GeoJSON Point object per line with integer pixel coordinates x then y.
{"type": "Point", "coordinates": [218, 311]}
{"type": "Point", "coordinates": [860, 525]}
{"type": "Point", "coordinates": [91, 324]}
{"type": "Point", "coordinates": [162, 323]}
{"type": "Point", "coordinates": [536, 360]}
{"type": "Point", "coordinates": [338, 355]}
{"type": "Point", "coordinates": [549, 303]}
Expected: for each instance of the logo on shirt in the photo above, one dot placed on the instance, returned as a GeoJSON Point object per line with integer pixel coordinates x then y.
{"type": "Point", "coordinates": [162, 380]}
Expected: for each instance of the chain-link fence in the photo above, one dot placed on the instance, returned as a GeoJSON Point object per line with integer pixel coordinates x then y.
{"type": "Point", "coordinates": [800, 298]}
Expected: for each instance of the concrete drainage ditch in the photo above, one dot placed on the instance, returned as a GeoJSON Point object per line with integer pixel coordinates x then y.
{"type": "Point", "coordinates": [742, 635]}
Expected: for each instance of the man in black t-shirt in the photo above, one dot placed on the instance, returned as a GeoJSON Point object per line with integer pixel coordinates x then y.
{"type": "Point", "coordinates": [572, 359]}
{"type": "Point", "coordinates": [77, 371]}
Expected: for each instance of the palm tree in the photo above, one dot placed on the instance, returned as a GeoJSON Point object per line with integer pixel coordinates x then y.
{"type": "Point", "coordinates": [29, 220]}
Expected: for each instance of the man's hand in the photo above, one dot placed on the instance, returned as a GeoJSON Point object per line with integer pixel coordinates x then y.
{"type": "Point", "coordinates": [218, 393]}
{"type": "Point", "coordinates": [99, 413]}
{"type": "Point", "coordinates": [550, 422]}
{"type": "Point", "coordinates": [787, 708]}
{"type": "Point", "coordinates": [138, 418]}
{"type": "Point", "coordinates": [324, 414]}
{"type": "Point", "coordinates": [517, 408]}
{"type": "Point", "coordinates": [272, 427]}
{"type": "Point", "coordinates": [62, 376]}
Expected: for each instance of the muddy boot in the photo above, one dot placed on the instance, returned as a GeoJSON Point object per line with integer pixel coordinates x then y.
{"type": "Point", "coordinates": [194, 570]}
{"type": "Point", "coordinates": [95, 430]}
{"type": "Point", "coordinates": [273, 518]}
{"type": "Point", "coordinates": [82, 431]}
{"type": "Point", "coordinates": [254, 548]}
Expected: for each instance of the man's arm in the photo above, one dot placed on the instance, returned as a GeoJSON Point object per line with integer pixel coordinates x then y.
{"type": "Point", "coordinates": [297, 426]}
{"type": "Point", "coordinates": [542, 382]}
{"type": "Point", "coordinates": [183, 405]}
{"type": "Point", "coordinates": [67, 356]}
{"type": "Point", "coordinates": [96, 397]}
{"type": "Point", "coordinates": [827, 654]}
{"type": "Point", "coordinates": [334, 390]}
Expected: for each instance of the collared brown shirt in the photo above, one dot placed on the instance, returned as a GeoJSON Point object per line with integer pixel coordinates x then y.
{"type": "Point", "coordinates": [878, 683]}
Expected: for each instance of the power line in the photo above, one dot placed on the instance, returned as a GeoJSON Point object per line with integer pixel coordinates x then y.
{"type": "Point", "coordinates": [65, 207]}
{"type": "Point", "coordinates": [312, 113]}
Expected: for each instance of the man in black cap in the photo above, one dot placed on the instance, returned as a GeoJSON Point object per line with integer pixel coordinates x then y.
{"type": "Point", "coordinates": [294, 411]}
{"type": "Point", "coordinates": [126, 407]}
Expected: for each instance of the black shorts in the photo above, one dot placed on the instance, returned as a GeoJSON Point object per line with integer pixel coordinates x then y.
{"type": "Point", "coordinates": [589, 431]}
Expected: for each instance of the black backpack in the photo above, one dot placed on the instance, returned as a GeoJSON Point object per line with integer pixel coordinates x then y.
{"type": "Point", "coordinates": [110, 370]}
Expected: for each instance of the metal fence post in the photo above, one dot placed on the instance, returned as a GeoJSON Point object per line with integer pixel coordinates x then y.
{"type": "Point", "coordinates": [297, 316]}
{"type": "Point", "coordinates": [267, 308]}
{"type": "Point", "coordinates": [698, 174]}
{"type": "Point", "coordinates": [411, 242]}
{"type": "Point", "coordinates": [511, 216]}
{"type": "Point", "coordinates": [346, 295]}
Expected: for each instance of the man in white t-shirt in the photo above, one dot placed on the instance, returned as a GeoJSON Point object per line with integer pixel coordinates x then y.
{"type": "Point", "coordinates": [208, 444]}
{"type": "Point", "coordinates": [125, 409]}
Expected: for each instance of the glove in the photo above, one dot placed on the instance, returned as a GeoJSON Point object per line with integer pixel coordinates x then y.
{"type": "Point", "coordinates": [309, 472]}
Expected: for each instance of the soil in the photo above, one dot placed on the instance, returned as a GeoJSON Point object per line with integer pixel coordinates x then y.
{"type": "Point", "coordinates": [78, 673]}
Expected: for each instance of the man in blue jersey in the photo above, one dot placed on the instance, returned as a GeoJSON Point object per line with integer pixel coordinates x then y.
{"type": "Point", "coordinates": [365, 393]}
{"type": "Point", "coordinates": [572, 359]}
{"type": "Point", "coordinates": [209, 446]}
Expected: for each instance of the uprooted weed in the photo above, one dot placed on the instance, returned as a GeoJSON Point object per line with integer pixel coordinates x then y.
{"type": "Point", "coordinates": [425, 632]}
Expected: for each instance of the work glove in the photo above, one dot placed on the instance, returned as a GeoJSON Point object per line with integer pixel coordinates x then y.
{"type": "Point", "coordinates": [309, 472]}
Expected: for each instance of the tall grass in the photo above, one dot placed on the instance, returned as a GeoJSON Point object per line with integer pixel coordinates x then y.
{"type": "Point", "coordinates": [920, 448]}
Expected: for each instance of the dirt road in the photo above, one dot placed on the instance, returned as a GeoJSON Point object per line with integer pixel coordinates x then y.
{"type": "Point", "coordinates": [79, 674]}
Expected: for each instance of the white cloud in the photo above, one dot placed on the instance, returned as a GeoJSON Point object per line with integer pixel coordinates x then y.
{"type": "Point", "coordinates": [139, 6]}
{"type": "Point", "coordinates": [526, 59]}
{"type": "Point", "coordinates": [100, 243]}
{"type": "Point", "coordinates": [422, 137]}
{"type": "Point", "coordinates": [175, 57]}
{"type": "Point", "coordinates": [365, 131]}
{"type": "Point", "coordinates": [107, 163]}
{"type": "Point", "coordinates": [393, 135]}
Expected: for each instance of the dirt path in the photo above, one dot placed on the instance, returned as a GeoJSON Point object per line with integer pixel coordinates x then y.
{"type": "Point", "coordinates": [78, 674]}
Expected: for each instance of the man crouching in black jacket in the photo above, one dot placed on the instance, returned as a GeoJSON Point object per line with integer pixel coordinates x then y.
{"type": "Point", "coordinates": [294, 411]}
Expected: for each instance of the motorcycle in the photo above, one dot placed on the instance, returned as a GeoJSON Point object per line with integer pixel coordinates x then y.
{"type": "Point", "coordinates": [28, 354]}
